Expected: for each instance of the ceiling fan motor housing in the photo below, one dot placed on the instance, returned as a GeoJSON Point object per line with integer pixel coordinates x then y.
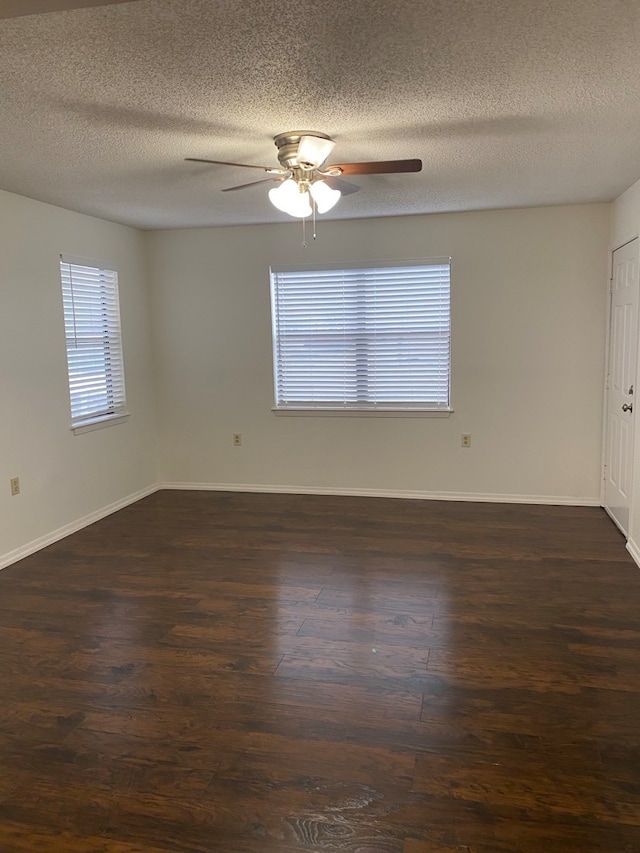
{"type": "Point", "coordinates": [287, 145]}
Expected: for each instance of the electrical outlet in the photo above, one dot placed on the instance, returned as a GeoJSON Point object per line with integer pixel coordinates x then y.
{"type": "Point", "coordinates": [465, 440]}
{"type": "Point", "coordinates": [15, 485]}
{"type": "Point", "coordinates": [237, 439]}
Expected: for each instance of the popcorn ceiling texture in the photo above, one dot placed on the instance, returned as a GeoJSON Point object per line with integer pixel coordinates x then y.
{"type": "Point", "coordinates": [15, 8]}
{"type": "Point", "coordinates": [508, 103]}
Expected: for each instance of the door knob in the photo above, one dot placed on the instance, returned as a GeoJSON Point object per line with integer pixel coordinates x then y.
{"type": "Point", "coordinates": [627, 407]}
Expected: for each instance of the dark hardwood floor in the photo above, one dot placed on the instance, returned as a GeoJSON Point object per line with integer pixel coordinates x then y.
{"type": "Point", "coordinates": [242, 673]}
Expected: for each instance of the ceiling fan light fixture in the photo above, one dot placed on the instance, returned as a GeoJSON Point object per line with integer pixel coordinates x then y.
{"type": "Point", "coordinates": [289, 199]}
{"type": "Point", "coordinates": [306, 185]}
{"type": "Point", "coordinates": [324, 196]}
{"type": "Point", "coordinates": [314, 150]}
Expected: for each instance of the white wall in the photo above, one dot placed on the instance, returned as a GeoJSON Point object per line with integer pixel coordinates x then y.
{"type": "Point", "coordinates": [528, 338]}
{"type": "Point", "coordinates": [626, 226]}
{"type": "Point", "coordinates": [529, 304]}
{"type": "Point", "coordinates": [64, 477]}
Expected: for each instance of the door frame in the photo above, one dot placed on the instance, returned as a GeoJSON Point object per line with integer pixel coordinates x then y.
{"type": "Point", "coordinates": [605, 409]}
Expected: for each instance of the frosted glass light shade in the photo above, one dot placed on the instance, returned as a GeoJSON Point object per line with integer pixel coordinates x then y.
{"type": "Point", "coordinates": [314, 150]}
{"type": "Point", "coordinates": [288, 198]}
{"type": "Point", "coordinates": [324, 197]}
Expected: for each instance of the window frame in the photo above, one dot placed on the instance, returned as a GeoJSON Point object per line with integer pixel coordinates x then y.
{"type": "Point", "coordinates": [364, 408]}
{"type": "Point", "coordinates": [113, 373]}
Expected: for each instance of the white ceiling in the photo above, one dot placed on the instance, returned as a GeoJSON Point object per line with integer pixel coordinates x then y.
{"type": "Point", "coordinates": [508, 102]}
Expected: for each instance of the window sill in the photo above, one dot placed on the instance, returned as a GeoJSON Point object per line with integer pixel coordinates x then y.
{"type": "Point", "coordinates": [99, 423]}
{"type": "Point", "coordinates": [363, 413]}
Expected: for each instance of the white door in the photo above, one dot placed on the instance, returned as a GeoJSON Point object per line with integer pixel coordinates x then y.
{"type": "Point", "coordinates": [623, 341]}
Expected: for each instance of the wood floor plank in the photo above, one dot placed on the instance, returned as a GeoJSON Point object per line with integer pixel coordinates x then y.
{"type": "Point", "coordinates": [413, 845]}
{"type": "Point", "coordinates": [448, 821]}
{"type": "Point", "coordinates": [255, 673]}
{"type": "Point", "coordinates": [532, 779]}
{"type": "Point", "coordinates": [402, 629]}
{"type": "Point", "coordinates": [23, 838]}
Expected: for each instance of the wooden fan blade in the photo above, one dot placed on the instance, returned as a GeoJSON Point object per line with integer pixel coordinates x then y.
{"type": "Point", "coordinates": [251, 184]}
{"type": "Point", "coordinates": [226, 163]}
{"type": "Point", "coordinates": [338, 184]}
{"type": "Point", "coordinates": [380, 167]}
{"type": "Point", "coordinates": [19, 8]}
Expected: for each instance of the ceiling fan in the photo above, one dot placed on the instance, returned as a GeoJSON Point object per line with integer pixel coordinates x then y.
{"type": "Point", "coordinates": [306, 184]}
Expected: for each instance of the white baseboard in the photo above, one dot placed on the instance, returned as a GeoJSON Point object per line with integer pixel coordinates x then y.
{"type": "Point", "coordinates": [73, 527]}
{"type": "Point", "coordinates": [386, 493]}
{"type": "Point", "coordinates": [634, 550]}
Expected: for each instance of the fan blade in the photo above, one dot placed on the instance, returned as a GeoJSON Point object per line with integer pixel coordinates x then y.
{"type": "Point", "coordinates": [381, 167]}
{"type": "Point", "coordinates": [338, 184]}
{"type": "Point", "coordinates": [242, 165]}
{"type": "Point", "coordinates": [251, 184]}
{"type": "Point", "coordinates": [19, 8]}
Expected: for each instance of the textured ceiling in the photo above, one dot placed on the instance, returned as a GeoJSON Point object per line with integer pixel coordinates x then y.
{"type": "Point", "coordinates": [16, 8]}
{"type": "Point", "coordinates": [508, 103]}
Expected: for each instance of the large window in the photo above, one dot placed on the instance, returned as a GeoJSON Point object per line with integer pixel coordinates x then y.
{"type": "Point", "coordinates": [94, 346]}
{"type": "Point", "coordinates": [357, 337]}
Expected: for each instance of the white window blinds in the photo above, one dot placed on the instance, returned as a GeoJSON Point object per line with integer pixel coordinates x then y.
{"type": "Point", "coordinates": [356, 337]}
{"type": "Point", "coordinates": [94, 346]}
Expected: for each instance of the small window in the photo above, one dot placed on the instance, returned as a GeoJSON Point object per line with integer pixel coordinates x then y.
{"type": "Point", "coordinates": [94, 344]}
{"type": "Point", "coordinates": [362, 338]}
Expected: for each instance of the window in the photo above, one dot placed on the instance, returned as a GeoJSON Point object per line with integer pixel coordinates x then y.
{"type": "Point", "coordinates": [94, 346]}
{"type": "Point", "coordinates": [370, 338]}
